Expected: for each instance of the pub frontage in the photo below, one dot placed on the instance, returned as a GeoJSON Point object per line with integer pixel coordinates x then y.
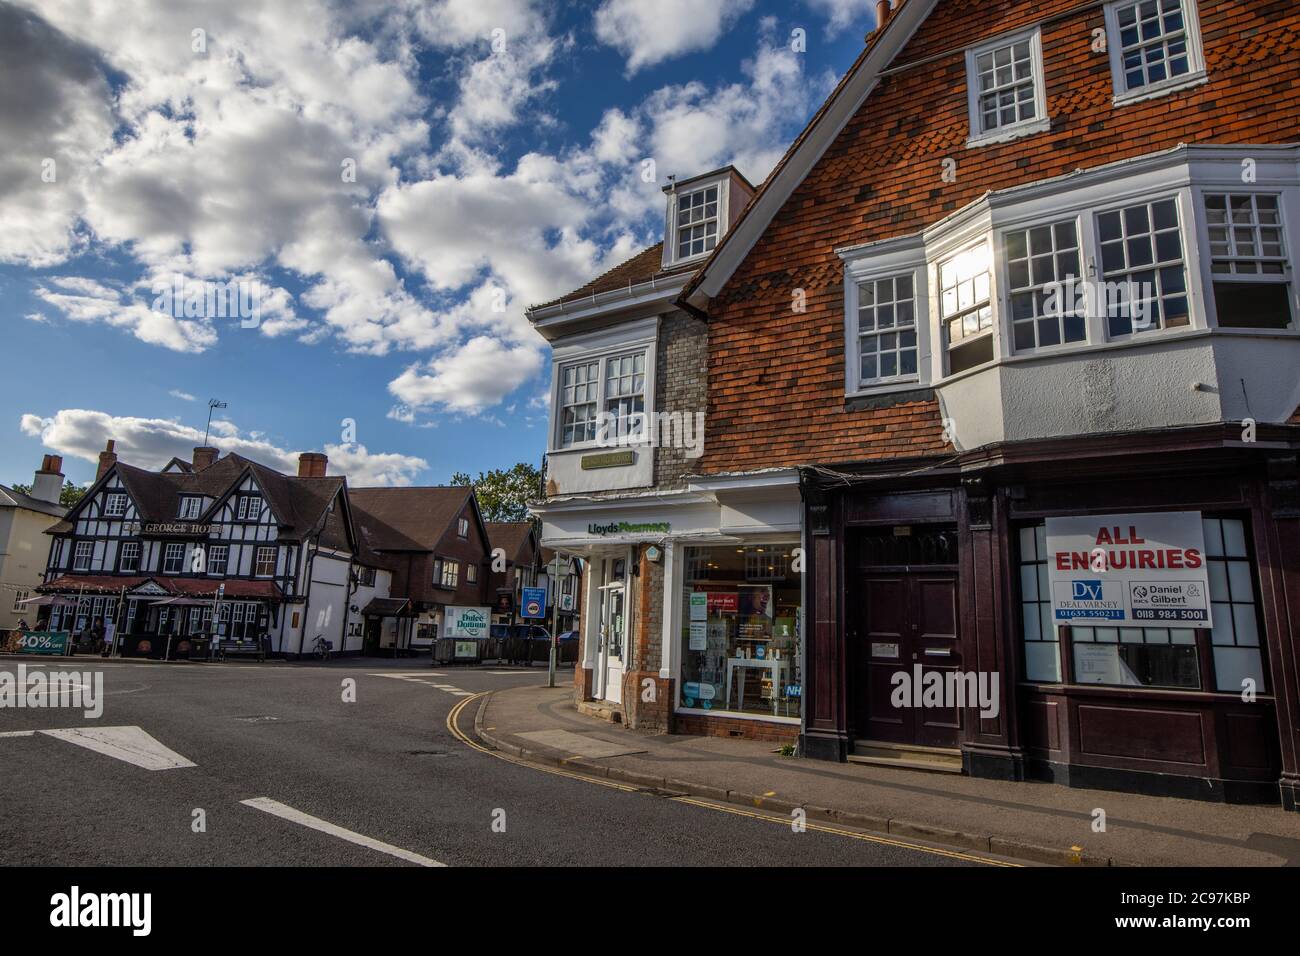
{"type": "Point", "coordinates": [956, 569]}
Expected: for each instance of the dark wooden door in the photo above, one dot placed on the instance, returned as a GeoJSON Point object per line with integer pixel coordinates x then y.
{"type": "Point", "coordinates": [909, 626]}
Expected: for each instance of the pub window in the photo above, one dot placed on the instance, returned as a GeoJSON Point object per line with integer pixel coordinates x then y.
{"type": "Point", "coordinates": [450, 574]}
{"type": "Point", "coordinates": [1248, 262]}
{"type": "Point", "coordinates": [174, 558]}
{"type": "Point", "coordinates": [218, 557]}
{"type": "Point", "coordinates": [264, 565]}
{"type": "Point", "coordinates": [1042, 643]}
{"type": "Point", "coordinates": [1043, 265]}
{"type": "Point", "coordinates": [250, 508]}
{"type": "Point", "coordinates": [965, 309]}
{"type": "Point", "coordinates": [115, 505]}
{"type": "Point", "coordinates": [190, 508]}
{"type": "Point", "coordinates": [1142, 260]}
{"type": "Point", "coordinates": [81, 557]}
{"type": "Point", "coordinates": [130, 560]}
{"type": "Point", "coordinates": [1235, 639]}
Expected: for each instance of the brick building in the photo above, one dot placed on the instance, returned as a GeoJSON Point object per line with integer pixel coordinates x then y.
{"type": "Point", "coordinates": [691, 609]}
{"type": "Point", "coordinates": [895, 316]}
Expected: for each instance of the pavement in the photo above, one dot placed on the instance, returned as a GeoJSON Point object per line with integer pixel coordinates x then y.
{"type": "Point", "coordinates": [356, 763]}
{"type": "Point", "coordinates": [1031, 821]}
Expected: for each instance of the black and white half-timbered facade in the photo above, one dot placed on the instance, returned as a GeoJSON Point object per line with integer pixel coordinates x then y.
{"type": "Point", "coordinates": [219, 546]}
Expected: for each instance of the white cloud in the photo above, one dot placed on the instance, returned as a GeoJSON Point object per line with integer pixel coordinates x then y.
{"type": "Point", "coordinates": [477, 375]}
{"type": "Point", "coordinates": [840, 14]}
{"type": "Point", "coordinates": [183, 396]}
{"type": "Point", "coordinates": [649, 33]}
{"type": "Point", "coordinates": [152, 442]}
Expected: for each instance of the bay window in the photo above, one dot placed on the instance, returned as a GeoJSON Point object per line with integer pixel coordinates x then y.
{"type": "Point", "coordinates": [1043, 273]}
{"type": "Point", "coordinates": [1248, 264]}
{"type": "Point", "coordinates": [966, 309]}
{"type": "Point", "coordinates": [602, 396]}
{"type": "Point", "coordinates": [1142, 261]}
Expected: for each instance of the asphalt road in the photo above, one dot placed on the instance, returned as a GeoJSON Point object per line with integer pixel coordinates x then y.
{"type": "Point", "coordinates": [384, 767]}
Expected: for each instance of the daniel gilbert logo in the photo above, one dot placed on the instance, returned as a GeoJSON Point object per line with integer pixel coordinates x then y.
{"type": "Point", "coordinates": [76, 909]}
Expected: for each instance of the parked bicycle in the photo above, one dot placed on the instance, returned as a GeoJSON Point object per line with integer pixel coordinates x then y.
{"type": "Point", "coordinates": [322, 648]}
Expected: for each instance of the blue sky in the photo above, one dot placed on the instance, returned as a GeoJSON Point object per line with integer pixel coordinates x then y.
{"type": "Point", "coordinates": [498, 149]}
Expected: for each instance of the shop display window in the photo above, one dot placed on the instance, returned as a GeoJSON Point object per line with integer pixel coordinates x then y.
{"type": "Point", "coordinates": [741, 630]}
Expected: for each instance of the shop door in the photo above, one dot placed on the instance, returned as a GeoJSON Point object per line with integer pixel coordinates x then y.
{"type": "Point", "coordinates": [612, 634]}
{"type": "Point", "coordinates": [909, 625]}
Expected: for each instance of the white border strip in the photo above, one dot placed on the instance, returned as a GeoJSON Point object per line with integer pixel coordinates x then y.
{"type": "Point", "coordinates": [277, 809]}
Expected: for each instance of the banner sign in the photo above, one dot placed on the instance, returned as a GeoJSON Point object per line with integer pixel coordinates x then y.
{"type": "Point", "coordinates": [1143, 569]}
{"type": "Point", "coordinates": [466, 623]}
{"type": "Point", "coordinates": [533, 602]}
{"type": "Point", "coordinates": [43, 642]}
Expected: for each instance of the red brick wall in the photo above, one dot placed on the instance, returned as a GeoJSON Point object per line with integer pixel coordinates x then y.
{"type": "Point", "coordinates": [734, 727]}
{"type": "Point", "coordinates": [776, 378]}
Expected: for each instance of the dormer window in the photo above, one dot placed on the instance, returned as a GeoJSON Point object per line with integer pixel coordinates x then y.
{"type": "Point", "coordinates": [190, 508]}
{"type": "Point", "coordinates": [697, 222]}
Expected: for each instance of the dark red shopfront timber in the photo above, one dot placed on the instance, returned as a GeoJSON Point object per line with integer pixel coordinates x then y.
{"type": "Point", "coordinates": [887, 551]}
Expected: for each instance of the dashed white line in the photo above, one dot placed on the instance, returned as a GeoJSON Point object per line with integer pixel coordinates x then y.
{"type": "Point", "coordinates": [277, 809]}
{"type": "Point", "coordinates": [18, 733]}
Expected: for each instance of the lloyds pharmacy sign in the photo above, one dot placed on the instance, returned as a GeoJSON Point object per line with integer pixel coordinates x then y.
{"type": "Point", "coordinates": [627, 527]}
{"type": "Point", "coordinates": [1129, 569]}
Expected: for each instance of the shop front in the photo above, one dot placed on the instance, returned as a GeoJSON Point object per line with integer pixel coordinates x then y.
{"type": "Point", "coordinates": [1111, 615]}
{"type": "Point", "coordinates": [692, 604]}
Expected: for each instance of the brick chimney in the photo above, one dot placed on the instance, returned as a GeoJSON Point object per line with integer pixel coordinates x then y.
{"type": "Point", "coordinates": [311, 464]}
{"type": "Point", "coordinates": [48, 483]}
{"type": "Point", "coordinates": [204, 455]}
{"type": "Point", "coordinates": [107, 459]}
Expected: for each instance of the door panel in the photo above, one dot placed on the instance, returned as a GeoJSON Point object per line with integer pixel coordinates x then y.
{"type": "Point", "coordinates": [909, 620]}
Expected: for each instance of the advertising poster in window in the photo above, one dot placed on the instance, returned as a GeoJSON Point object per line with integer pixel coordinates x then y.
{"type": "Point", "coordinates": [1129, 569]}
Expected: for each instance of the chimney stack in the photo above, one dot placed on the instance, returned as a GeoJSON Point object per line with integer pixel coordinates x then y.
{"type": "Point", "coordinates": [884, 9]}
{"type": "Point", "coordinates": [204, 455]}
{"type": "Point", "coordinates": [48, 483]}
{"type": "Point", "coordinates": [311, 464]}
{"type": "Point", "coordinates": [107, 459]}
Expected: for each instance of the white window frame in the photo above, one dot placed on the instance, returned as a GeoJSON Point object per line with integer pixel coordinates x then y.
{"type": "Point", "coordinates": [672, 241]}
{"type": "Point", "coordinates": [190, 508]}
{"type": "Point", "coordinates": [258, 562]}
{"type": "Point", "coordinates": [1041, 122]}
{"type": "Point", "coordinates": [135, 557]}
{"type": "Point", "coordinates": [1004, 290]}
{"type": "Point", "coordinates": [1288, 200]}
{"type": "Point", "coordinates": [1195, 57]}
{"type": "Point", "coordinates": [174, 550]}
{"type": "Point", "coordinates": [449, 574]}
{"type": "Point", "coordinates": [86, 550]}
{"type": "Point", "coordinates": [213, 551]}
{"type": "Point", "coordinates": [1187, 234]}
{"type": "Point", "coordinates": [601, 361]}
{"type": "Point", "coordinates": [995, 332]}
{"type": "Point", "coordinates": [244, 506]}
{"type": "Point", "coordinates": [871, 264]}
{"type": "Point", "coordinates": [112, 498]}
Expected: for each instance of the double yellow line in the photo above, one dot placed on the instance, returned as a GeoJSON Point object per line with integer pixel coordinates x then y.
{"type": "Point", "coordinates": [453, 726]}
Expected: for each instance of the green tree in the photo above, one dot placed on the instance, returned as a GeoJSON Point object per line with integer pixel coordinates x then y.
{"type": "Point", "coordinates": [68, 497]}
{"type": "Point", "coordinates": [503, 493]}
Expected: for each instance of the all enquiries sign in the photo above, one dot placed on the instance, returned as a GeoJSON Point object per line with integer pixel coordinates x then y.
{"type": "Point", "coordinates": [1135, 569]}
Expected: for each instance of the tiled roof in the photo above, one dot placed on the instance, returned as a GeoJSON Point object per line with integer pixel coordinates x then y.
{"type": "Point", "coordinates": [405, 519]}
{"type": "Point", "coordinates": [29, 503]}
{"type": "Point", "coordinates": [642, 267]}
{"type": "Point", "coordinates": [509, 536]}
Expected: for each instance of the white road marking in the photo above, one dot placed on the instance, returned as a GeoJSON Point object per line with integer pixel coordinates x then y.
{"type": "Point", "coordinates": [18, 733]}
{"type": "Point", "coordinates": [461, 693]}
{"type": "Point", "coordinates": [277, 809]}
{"type": "Point", "coordinates": [131, 744]}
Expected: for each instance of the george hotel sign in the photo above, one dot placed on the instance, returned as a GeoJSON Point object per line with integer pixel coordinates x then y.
{"type": "Point", "coordinates": [1134, 569]}
{"type": "Point", "coordinates": [181, 528]}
